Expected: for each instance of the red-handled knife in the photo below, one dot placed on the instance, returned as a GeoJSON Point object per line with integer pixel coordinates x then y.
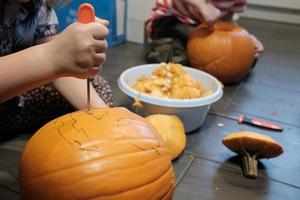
{"type": "Point", "coordinates": [251, 121]}
{"type": "Point", "coordinates": [258, 122]}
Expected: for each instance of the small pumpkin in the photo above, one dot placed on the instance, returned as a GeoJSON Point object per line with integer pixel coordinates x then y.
{"type": "Point", "coordinates": [171, 129]}
{"type": "Point", "coordinates": [107, 153]}
{"type": "Point", "coordinates": [227, 52]}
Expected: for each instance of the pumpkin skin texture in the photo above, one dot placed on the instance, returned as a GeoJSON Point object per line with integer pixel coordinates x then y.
{"type": "Point", "coordinates": [171, 129]}
{"type": "Point", "coordinates": [107, 153]}
{"type": "Point", "coordinates": [227, 52]}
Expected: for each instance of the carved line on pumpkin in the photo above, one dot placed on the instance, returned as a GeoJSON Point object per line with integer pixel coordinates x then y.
{"type": "Point", "coordinates": [82, 146]}
{"type": "Point", "coordinates": [93, 114]}
{"type": "Point", "coordinates": [85, 143]}
{"type": "Point", "coordinates": [85, 146]}
{"type": "Point", "coordinates": [144, 125]}
{"type": "Point", "coordinates": [76, 139]}
{"type": "Point", "coordinates": [90, 146]}
{"type": "Point", "coordinates": [80, 165]}
{"type": "Point", "coordinates": [57, 121]}
{"type": "Point", "coordinates": [212, 62]}
{"type": "Point", "coordinates": [168, 172]}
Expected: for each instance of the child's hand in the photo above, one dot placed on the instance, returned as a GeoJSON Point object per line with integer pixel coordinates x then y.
{"type": "Point", "coordinates": [210, 13]}
{"type": "Point", "coordinates": [259, 48]}
{"type": "Point", "coordinates": [80, 49]}
{"type": "Point", "coordinates": [207, 11]}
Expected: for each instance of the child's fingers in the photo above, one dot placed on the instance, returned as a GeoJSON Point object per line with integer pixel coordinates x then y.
{"type": "Point", "coordinates": [100, 46]}
{"type": "Point", "coordinates": [94, 71]}
{"type": "Point", "coordinates": [259, 48]}
{"type": "Point", "coordinates": [102, 21]}
{"type": "Point", "coordinates": [98, 30]}
{"type": "Point", "coordinates": [211, 26]}
{"type": "Point", "coordinates": [99, 59]}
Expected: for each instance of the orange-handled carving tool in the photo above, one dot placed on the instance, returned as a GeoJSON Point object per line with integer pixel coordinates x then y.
{"type": "Point", "coordinates": [242, 119]}
{"type": "Point", "coordinates": [86, 14]}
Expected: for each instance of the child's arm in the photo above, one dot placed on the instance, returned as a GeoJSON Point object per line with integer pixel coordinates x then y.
{"type": "Point", "coordinates": [25, 70]}
{"type": "Point", "coordinates": [75, 52]}
{"type": "Point", "coordinates": [73, 89]}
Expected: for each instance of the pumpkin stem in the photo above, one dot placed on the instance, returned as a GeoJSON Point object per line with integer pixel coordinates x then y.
{"type": "Point", "coordinates": [249, 166]}
{"type": "Point", "coordinates": [224, 26]}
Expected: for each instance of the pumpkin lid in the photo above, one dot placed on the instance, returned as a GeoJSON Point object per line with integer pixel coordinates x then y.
{"type": "Point", "coordinates": [252, 143]}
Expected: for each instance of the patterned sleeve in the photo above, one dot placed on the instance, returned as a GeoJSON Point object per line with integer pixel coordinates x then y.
{"type": "Point", "coordinates": [227, 6]}
{"type": "Point", "coordinates": [47, 22]}
{"type": "Point", "coordinates": [177, 8]}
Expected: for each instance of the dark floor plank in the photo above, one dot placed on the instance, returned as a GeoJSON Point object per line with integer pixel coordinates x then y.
{"type": "Point", "coordinates": [9, 182]}
{"type": "Point", "coordinates": [268, 102]}
{"type": "Point", "coordinates": [9, 185]}
{"type": "Point", "coordinates": [280, 57]}
{"type": "Point", "coordinates": [16, 143]}
{"type": "Point", "coordinates": [260, 29]}
{"type": "Point", "coordinates": [181, 165]}
{"type": "Point", "coordinates": [271, 30]}
{"type": "Point", "coordinates": [228, 93]}
{"type": "Point", "coordinates": [211, 180]}
{"type": "Point", "coordinates": [9, 162]}
{"type": "Point", "coordinates": [207, 142]}
{"type": "Point", "coordinates": [6, 194]}
{"type": "Point", "coordinates": [278, 76]}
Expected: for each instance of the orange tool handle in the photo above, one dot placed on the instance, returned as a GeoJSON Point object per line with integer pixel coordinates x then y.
{"type": "Point", "coordinates": [86, 13]}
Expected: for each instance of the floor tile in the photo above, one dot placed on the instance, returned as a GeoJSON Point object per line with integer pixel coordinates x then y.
{"type": "Point", "coordinates": [6, 194]}
{"type": "Point", "coordinates": [16, 144]}
{"type": "Point", "coordinates": [276, 76]}
{"type": "Point", "coordinates": [181, 165]}
{"type": "Point", "coordinates": [228, 94]}
{"type": "Point", "coordinates": [9, 186]}
{"type": "Point", "coordinates": [268, 102]}
{"type": "Point", "coordinates": [207, 143]}
{"type": "Point", "coordinates": [211, 180]}
{"type": "Point", "coordinates": [9, 162]}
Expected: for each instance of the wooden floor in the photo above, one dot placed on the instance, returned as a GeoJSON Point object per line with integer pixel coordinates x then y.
{"type": "Point", "coordinates": [207, 170]}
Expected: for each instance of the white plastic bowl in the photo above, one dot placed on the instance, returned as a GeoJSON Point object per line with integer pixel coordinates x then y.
{"type": "Point", "coordinates": [192, 112]}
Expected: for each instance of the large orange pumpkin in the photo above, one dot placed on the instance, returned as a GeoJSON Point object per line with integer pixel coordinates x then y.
{"type": "Point", "coordinates": [227, 52]}
{"type": "Point", "coordinates": [106, 153]}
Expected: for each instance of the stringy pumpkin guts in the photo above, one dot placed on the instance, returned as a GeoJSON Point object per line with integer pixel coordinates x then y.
{"type": "Point", "coordinates": [170, 80]}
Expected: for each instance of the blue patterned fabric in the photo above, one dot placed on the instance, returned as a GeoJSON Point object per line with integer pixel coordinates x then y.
{"type": "Point", "coordinates": [24, 23]}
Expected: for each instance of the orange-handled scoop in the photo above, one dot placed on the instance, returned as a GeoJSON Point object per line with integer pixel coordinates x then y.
{"type": "Point", "coordinates": [86, 14]}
